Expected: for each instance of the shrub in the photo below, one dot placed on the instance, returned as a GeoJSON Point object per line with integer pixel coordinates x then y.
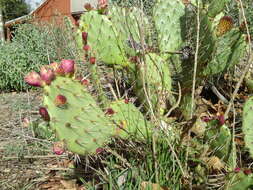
{"type": "Point", "coordinates": [33, 46]}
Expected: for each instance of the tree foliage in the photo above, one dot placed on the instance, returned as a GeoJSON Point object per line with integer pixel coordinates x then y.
{"type": "Point", "coordinates": [14, 8]}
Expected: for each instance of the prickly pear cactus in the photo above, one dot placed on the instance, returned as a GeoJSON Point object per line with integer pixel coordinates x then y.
{"type": "Point", "coordinates": [168, 16]}
{"type": "Point", "coordinates": [240, 181]}
{"type": "Point", "coordinates": [247, 124]}
{"type": "Point", "coordinates": [103, 38]}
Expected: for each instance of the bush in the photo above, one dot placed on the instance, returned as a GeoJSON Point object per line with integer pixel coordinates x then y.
{"type": "Point", "coordinates": [33, 46]}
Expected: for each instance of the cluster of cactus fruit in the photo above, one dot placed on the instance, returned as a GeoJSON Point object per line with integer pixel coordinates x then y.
{"type": "Point", "coordinates": [74, 114]}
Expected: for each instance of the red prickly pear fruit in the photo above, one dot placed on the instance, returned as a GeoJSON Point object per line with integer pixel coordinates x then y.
{"type": "Point", "coordinates": [58, 148]}
{"type": "Point", "coordinates": [44, 114]}
{"type": "Point", "coordinates": [33, 79]}
{"type": "Point", "coordinates": [110, 111]}
{"type": "Point", "coordinates": [206, 119]}
{"type": "Point", "coordinates": [86, 48]}
{"type": "Point", "coordinates": [59, 71]}
{"type": "Point", "coordinates": [85, 36]}
{"type": "Point", "coordinates": [88, 7]}
{"type": "Point", "coordinates": [221, 119]}
{"type": "Point", "coordinates": [85, 82]}
{"type": "Point", "coordinates": [60, 100]}
{"type": "Point", "coordinates": [247, 171]}
{"type": "Point", "coordinates": [102, 4]}
{"type": "Point", "coordinates": [126, 101]}
{"type": "Point", "coordinates": [99, 150]}
{"type": "Point", "coordinates": [237, 170]}
{"type": "Point", "coordinates": [47, 75]}
{"type": "Point", "coordinates": [92, 60]}
{"type": "Point", "coordinates": [68, 66]}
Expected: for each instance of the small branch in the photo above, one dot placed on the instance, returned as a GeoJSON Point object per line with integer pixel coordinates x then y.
{"type": "Point", "coordinates": [219, 95]}
{"type": "Point", "coordinates": [34, 157]}
{"type": "Point", "coordinates": [195, 61]}
{"type": "Point", "coordinates": [177, 103]}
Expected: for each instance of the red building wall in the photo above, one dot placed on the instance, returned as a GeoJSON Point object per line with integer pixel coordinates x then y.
{"type": "Point", "coordinates": [53, 11]}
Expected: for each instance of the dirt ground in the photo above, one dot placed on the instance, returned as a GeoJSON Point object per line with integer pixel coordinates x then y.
{"type": "Point", "coordinates": [27, 162]}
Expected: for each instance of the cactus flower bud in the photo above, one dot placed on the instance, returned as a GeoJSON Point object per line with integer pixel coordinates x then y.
{"type": "Point", "coordinates": [60, 100]}
{"type": "Point", "coordinates": [110, 111]}
{"type": "Point", "coordinates": [85, 36]}
{"type": "Point", "coordinates": [86, 48]}
{"type": "Point", "coordinates": [221, 119]}
{"type": "Point", "coordinates": [58, 148]}
{"type": "Point", "coordinates": [126, 101]}
{"type": "Point", "coordinates": [44, 114]}
{"type": "Point", "coordinates": [237, 170]}
{"type": "Point", "coordinates": [99, 150]}
{"type": "Point", "coordinates": [85, 82]}
{"type": "Point", "coordinates": [33, 79]}
{"type": "Point", "coordinates": [247, 171]}
{"type": "Point", "coordinates": [92, 60]}
{"type": "Point", "coordinates": [47, 75]}
{"type": "Point", "coordinates": [68, 66]}
{"type": "Point", "coordinates": [102, 4]}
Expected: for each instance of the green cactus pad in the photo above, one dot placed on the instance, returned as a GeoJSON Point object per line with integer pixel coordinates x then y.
{"type": "Point", "coordinates": [229, 49]}
{"type": "Point", "coordinates": [156, 75]}
{"type": "Point", "coordinates": [103, 38]}
{"type": "Point", "coordinates": [220, 142]}
{"type": "Point", "coordinates": [216, 6]}
{"type": "Point", "coordinates": [240, 181]}
{"type": "Point", "coordinates": [247, 123]}
{"type": "Point", "coordinates": [127, 22]}
{"type": "Point", "coordinates": [80, 123]}
{"type": "Point", "coordinates": [167, 17]}
{"type": "Point", "coordinates": [129, 120]}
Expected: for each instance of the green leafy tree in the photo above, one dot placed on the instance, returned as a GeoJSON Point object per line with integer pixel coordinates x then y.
{"type": "Point", "coordinates": [14, 8]}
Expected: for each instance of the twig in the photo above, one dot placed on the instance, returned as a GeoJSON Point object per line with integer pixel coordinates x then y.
{"type": "Point", "coordinates": [35, 157]}
{"type": "Point", "coordinates": [195, 61]}
{"type": "Point", "coordinates": [218, 94]}
{"type": "Point", "coordinates": [246, 69]}
{"type": "Point", "coordinates": [119, 157]}
{"type": "Point", "coordinates": [113, 92]}
{"type": "Point", "coordinates": [178, 101]}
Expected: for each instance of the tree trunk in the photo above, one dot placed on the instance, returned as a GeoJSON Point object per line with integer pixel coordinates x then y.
{"type": "Point", "coordinates": [2, 38]}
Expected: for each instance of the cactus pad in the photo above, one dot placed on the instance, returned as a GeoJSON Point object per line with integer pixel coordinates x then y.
{"type": "Point", "coordinates": [247, 124]}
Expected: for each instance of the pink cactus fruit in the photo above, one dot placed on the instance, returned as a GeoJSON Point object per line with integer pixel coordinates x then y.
{"type": "Point", "coordinates": [102, 4]}
{"type": "Point", "coordinates": [221, 119]}
{"type": "Point", "coordinates": [47, 75]}
{"type": "Point", "coordinates": [237, 170]}
{"type": "Point", "coordinates": [99, 150]}
{"type": "Point", "coordinates": [85, 36]}
{"type": "Point", "coordinates": [68, 66]}
{"type": "Point", "coordinates": [58, 148]}
{"type": "Point", "coordinates": [60, 100]}
{"type": "Point", "coordinates": [109, 111]}
{"type": "Point", "coordinates": [44, 114]}
{"type": "Point", "coordinates": [126, 101]}
{"type": "Point", "coordinates": [247, 171]}
{"type": "Point", "coordinates": [86, 48]}
{"type": "Point", "coordinates": [85, 82]}
{"type": "Point", "coordinates": [92, 60]}
{"type": "Point", "coordinates": [33, 79]}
